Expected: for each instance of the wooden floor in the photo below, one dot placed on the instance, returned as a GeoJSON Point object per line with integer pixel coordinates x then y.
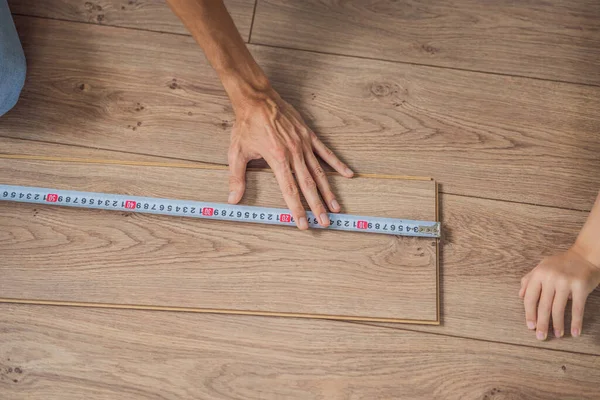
{"type": "Point", "coordinates": [498, 102]}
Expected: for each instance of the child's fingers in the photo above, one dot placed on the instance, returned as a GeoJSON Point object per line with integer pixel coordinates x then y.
{"type": "Point", "coordinates": [558, 311]}
{"type": "Point", "coordinates": [543, 312]}
{"type": "Point", "coordinates": [524, 282]}
{"type": "Point", "coordinates": [579, 298]}
{"type": "Point", "coordinates": [532, 295]}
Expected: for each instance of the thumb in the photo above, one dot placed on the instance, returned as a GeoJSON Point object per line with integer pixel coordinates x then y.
{"type": "Point", "coordinates": [237, 177]}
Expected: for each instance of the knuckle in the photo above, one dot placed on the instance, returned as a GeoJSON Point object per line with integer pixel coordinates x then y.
{"type": "Point", "coordinates": [303, 132]}
{"type": "Point", "coordinates": [235, 180]}
{"type": "Point", "coordinates": [578, 286]}
{"type": "Point", "coordinates": [318, 172]}
{"type": "Point", "coordinates": [530, 302]}
{"type": "Point", "coordinates": [280, 154]}
{"type": "Point", "coordinates": [562, 282]}
{"type": "Point", "coordinates": [295, 146]}
{"type": "Point", "coordinates": [290, 189]}
{"type": "Point", "coordinates": [544, 276]}
{"type": "Point", "coordinates": [309, 183]}
{"type": "Point", "coordinates": [274, 106]}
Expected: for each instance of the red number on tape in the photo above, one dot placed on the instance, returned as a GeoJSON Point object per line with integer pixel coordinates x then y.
{"type": "Point", "coordinates": [52, 198]}
{"type": "Point", "coordinates": [207, 211]}
{"type": "Point", "coordinates": [285, 218]}
{"type": "Point", "coordinates": [130, 204]}
{"type": "Point", "coordinates": [362, 224]}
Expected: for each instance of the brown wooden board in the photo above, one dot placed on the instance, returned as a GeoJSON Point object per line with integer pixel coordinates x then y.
{"type": "Point", "coordinates": [53, 253]}
{"type": "Point", "coordinates": [72, 353]}
{"type": "Point", "coordinates": [556, 40]}
{"type": "Point", "coordinates": [151, 15]}
{"type": "Point", "coordinates": [480, 135]}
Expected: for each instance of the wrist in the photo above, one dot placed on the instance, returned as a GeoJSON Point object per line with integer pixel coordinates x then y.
{"type": "Point", "coordinates": [246, 89]}
{"type": "Point", "coordinates": [589, 250]}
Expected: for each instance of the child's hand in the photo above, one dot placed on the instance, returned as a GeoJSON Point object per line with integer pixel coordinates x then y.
{"type": "Point", "coordinates": [546, 289]}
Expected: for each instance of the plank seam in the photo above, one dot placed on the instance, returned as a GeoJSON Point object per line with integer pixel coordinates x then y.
{"type": "Point", "coordinates": [385, 60]}
{"type": "Point", "coordinates": [252, 22]}
{"type": "Point", "coordinates": [437, 257]}
{"type": "Point", "coordinates": [416, 330]}
{"type": "Point", "coordinates": [330, 54]}
{"type": "Point", "coordinates": [114, 26]}
{"type": "Point", "coordinates": [214, 311]}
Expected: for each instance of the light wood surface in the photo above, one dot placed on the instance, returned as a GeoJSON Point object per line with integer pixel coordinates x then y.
{"type": "Point", "coordinates": [526, 139]}
{"type": "Point", "coordinates": [71, 353]}
{"type": "Point", "coordinates": [555, 39]}
{"type": "Point", "coordinates": [115, 257]}
{"type": "Point", "coordinates": [482, 135]}
{"type": "Point", "coordinates": [151, 15]}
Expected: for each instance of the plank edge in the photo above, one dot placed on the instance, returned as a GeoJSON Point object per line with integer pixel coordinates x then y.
{"type": "Point", "coordinates": [213, 311]}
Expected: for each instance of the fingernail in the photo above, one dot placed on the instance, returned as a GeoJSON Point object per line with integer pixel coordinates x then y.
{"type": "Point", "coordinates": [558, 333]}
{"type": "Point", "coordinates": [335, 205]}
{"type": "Point", "coordinates": [531, 324]}
{"type": "Point", "coordinates": [324, 219]}
{"type": "Point", "coordinates": [302, 223]}
{"type": "Point", "coordinates": [540, 335]}
{"type": "Point", "coordinates": [232, 196]}
{"type": "Point", "coordinates": [348, 171]}
{"type": "Point", "coordinates": [575, 332]}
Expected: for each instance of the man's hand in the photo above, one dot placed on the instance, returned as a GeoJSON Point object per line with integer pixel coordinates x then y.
{"type": "Point", "coordinates": [546, 289]}
{"type": "Point", "coordinates": [266, 126]}
{"type": "Point", "coordinates": [270, 128]}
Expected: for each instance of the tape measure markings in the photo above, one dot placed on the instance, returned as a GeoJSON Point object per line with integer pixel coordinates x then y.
{"type": "Point", "coordinates": [210, 210]}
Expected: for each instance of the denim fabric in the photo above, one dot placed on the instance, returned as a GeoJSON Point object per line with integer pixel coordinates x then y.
{"type": "Point", "coordinates": [12, 61]}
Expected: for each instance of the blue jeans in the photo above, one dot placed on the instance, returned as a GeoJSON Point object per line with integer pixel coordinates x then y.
{"type": "Point", "coordinates": [12, 61]}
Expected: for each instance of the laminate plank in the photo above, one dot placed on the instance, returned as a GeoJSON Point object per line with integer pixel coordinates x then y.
{"type": "Point", "coordinates": [152, 15]}
{"type": "Point", "coordinates": [123, 258]}
{"type": "Point", "coordinates": [554, 40]}
{"type": "Point", "coordinates": [481, 135]}
{"type": "Point", "coordinates": [71, 353]}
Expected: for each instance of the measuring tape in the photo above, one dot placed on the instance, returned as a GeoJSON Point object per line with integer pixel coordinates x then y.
{"type": "Point", "coordinates": [219, 211]}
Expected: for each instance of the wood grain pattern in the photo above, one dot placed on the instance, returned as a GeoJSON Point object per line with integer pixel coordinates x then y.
{"type": "Point", "coordinates": [152, 15]}
{"type": "Point", "coordinates": [68, 353]}
{"type": "Point", "coordinates": [555, 40]}
{"type": "Point", "coordinates": [488, 136]}
{"type": "Point", "coordinates": [111, 257]}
